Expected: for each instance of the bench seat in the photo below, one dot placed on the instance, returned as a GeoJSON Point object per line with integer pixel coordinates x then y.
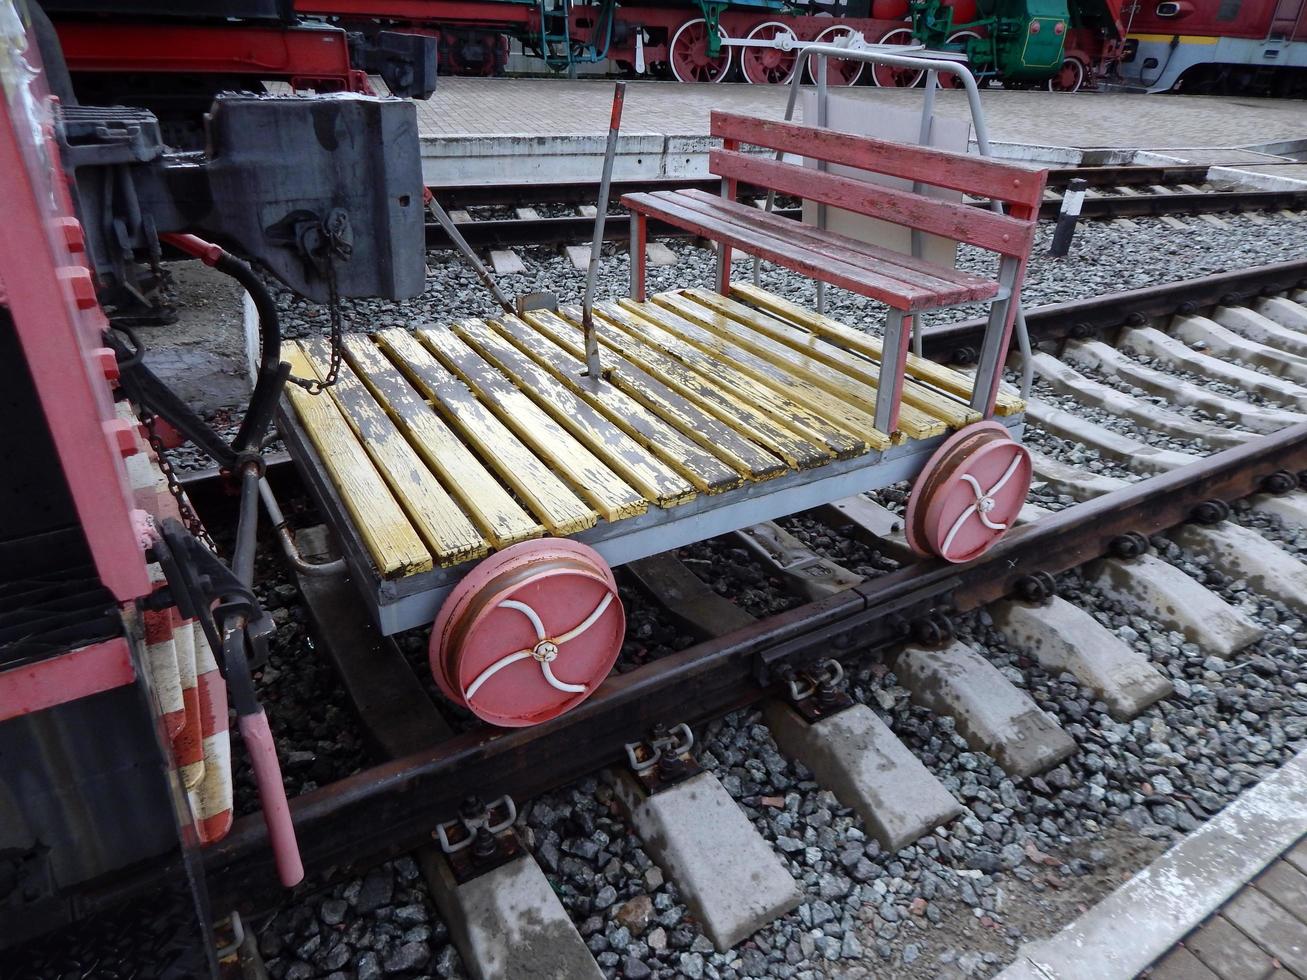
{"type": "Point", "coordinates": [898, 280]}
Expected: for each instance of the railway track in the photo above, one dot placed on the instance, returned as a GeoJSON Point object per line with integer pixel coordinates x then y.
{"type": "Point", "coordinates": [1114, 192]}
{"type": "Point", "coordinates": [1135, 366]}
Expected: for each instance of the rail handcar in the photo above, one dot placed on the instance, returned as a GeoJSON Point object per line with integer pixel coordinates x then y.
{"type": "Point", "coordinates": [1217, 46]}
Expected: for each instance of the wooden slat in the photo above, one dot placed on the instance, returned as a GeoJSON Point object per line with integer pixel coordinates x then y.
{"type": "Point", "coordinates": [702, 352]}
{"type": "Point", "coordinates": [922, 405]}
{"type": "Point", "coordinates": [953, 286]}
{"type": "Point", "coordinates": [444, 528]}
{"type": "Point", "coordinates": [855, 340]}
{"type": "Point", "coordinates": [736, 410]}
{"type": "Point", "coordinates": [974, 175]}
{"type": "Point", "coordinates": [696, 463]}
{"type": "Point", "coordinates": [852, 383]}
{"type": "Point", "coordinates": [960, 222]}
{"type": "Point", "coordinates": [705, 428]}
{"type": "Point", "coordinates": [588, 476]}
{"type": "Point", "coordinates": [627, 457]}
{"type": "Point", "coordinates": [550, 499]}
{"type": "Point", "coordinates": [857, 277]}
{"type": "Point", "coordinates": [490, 506]}
{"type": "Point", "coordinates": [395, 547]}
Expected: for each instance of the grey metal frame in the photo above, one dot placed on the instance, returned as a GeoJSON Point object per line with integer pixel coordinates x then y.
{"type": "Point", "coordinates": [414, 600]}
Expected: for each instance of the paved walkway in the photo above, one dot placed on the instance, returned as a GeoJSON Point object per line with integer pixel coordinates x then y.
{"type": "Point", "coordinates": [542, 107]}
{"type": "Point", "coordinates": [1260, 933]}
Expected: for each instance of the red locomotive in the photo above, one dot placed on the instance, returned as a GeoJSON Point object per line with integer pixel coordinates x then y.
{"type": "Point", "coordinates": [1206, 46]}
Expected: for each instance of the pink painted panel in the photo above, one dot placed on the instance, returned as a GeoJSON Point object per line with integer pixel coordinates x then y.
{"type": "Point", "coordinates": [67, 677]}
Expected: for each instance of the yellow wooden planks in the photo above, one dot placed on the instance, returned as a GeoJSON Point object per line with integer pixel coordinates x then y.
{"type": "Point", "coordinates": [633, 462]}
{"type": "Point", "coordinates": [849, 379]}
{"type": "Point", "coordinates": [490, 506]}
{"type": "Point", "coordinates": [568, 458]}
{"type": "Point", "coordinates": [680, 337]}
{"type": "Point", "coordinates": [392, 542]}
{"type": "Point", "coordinates": [733, 409]}
{"type": "Point", "coordinates": [701, 468]}
{"type": "Point", "coordinates": [845, 336]}
{"type": "Point", "coordinates": [748, 459]}
{"type": "Point", "coordinates": [766, 389]}
{"type": "Point", "coordinates": [925, 411]}
{"type": "Point", "coordinates": [549, 498]}
{"type": "Point", "coordinates": [444, 528]}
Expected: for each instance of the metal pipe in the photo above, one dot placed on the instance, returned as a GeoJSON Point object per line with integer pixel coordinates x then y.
{"type": "Point", "coordinates": [247, 525]}
{"type": "Point", "coordinates": [447, 223]}
{"type": "Point", "coordinates": [596, 246]}
{"type": "Point", "coordinates": [287, 539]}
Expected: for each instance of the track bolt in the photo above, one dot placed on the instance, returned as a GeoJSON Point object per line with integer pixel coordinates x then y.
{"type": "Point", "coordinates": [933, 631]}
{"type": "Point", "coordinates": [1187, 308]}
{"type": "Point", "coordinates": [1036, 587]}
{"type": "Point", "coordinates": [1132, 544]}
{"type": "Point", "coordinates": [472, 809]}
{"type": "Point", "coordinates": [485, 847]}
{"type": "Point", "coordinates": [965, 355]}
{"type": "Point", "coordinates": [1279, 483]}
{"type": "Point", "coordinates": [1231, 299]}
{"type": "Point", "coordinates": [1136, 319]}
{"type": "Point", "coordinates": [1082, 330]}
{"type": "Point", "coordinates": [1210, 512]}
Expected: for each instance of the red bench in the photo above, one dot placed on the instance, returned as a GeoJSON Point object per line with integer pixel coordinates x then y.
{"type": "Point", "coordinates": [907, 285]}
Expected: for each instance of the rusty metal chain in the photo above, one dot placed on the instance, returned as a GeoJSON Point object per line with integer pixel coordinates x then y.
{"type": "Point", "coordinates": [189, 518]}
{"type": "Point", "coordinates": [314, 386]}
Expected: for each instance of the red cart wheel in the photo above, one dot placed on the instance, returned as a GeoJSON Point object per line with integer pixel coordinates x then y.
{"type": "Point", "coordinates": [969, 493]}
{"type": "Point", "coordinates": [889, 76]}
{"type": "Point", "coordinates": [839, 71]}
{"type": "Point", "coordinates": [768, 66]}
{"type": "Point", "coordinates": [529, 633]}
{"type": "Point", "coordinates": [688, 54]}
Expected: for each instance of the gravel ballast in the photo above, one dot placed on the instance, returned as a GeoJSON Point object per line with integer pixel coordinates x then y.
{"type": "Point", "coordinates": [1024, 856]}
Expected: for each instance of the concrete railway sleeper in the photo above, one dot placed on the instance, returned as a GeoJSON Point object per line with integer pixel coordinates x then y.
{"type": "Point", "coordinates": [788, 663]}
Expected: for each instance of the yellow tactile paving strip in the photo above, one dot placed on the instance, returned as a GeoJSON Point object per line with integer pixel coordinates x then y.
{"type": "Point", "coordinates": [452, 440]}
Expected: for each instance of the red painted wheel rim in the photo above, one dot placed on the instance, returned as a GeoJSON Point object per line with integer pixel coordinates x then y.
{"type": "Point", "coordinates": [887, 76]}
{"type": "Point", "coordinates": [529, 634]}
{"type": "Point", "coordinates": [768, 66]}
{"type": "Point", "coordinates": [689, 55]}
{"type": "Point", "coordinates": [969, 493]}
{"type": "Point", "coordinates": [839, 71]}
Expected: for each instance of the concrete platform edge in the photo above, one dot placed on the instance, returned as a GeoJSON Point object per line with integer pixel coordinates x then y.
{"type": "Point", "coordinates": [1154, 910]}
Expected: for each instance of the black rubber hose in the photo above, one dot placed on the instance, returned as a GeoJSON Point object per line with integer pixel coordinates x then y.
{"type": "Point", "coordinates": [271, 375]}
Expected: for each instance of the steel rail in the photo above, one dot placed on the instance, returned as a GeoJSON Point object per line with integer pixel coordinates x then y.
{"type": "Point", "coordinates": [1085, 318]}
{"type": "Point", "coordinates": [392, 807]}
{"type": "Point", "coordinates": [509, 232]}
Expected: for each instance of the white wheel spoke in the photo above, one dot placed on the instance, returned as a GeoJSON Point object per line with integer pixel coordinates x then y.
{"type": "Point", "coordinates": [529, 613]}
{"type": "Point", "coordinates": [554, 682]}
{"type": "Point", "coordinates": [957, 526]}
{"type": "Point", "coordinates": [589, 620]}
{"type": "Point", "coordinates": [1012, 468]}
{"type": "Point", "coordinates": [492, 670]}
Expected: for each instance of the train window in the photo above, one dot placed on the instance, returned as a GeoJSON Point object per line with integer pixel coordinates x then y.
{"type": "Point", "coordinates": [1168, 9]}
{"type": "Point", "coordinates": [1228, 9]}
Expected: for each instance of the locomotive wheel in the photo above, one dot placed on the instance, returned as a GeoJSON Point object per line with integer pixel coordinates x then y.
{"type": "Point", "coordinates": [957, 37]}
{"type": "Point", "coordinates": [1070, 78]}
{"type": "Point", "coordinates": [768, 66]}
{"type": "Point", "coordinates": [886, 76]}
{"type": "Point", "coordinates": [968, 494]}
{"type": "Point", "coordinates": [529, 633]}
{"type": "Point", "coordinates": [688, 54]}
{"type": "Point", "coordinates": [839, 71]}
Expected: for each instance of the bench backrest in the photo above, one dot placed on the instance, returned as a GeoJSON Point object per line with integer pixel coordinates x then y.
{"type": "Point", "coordinates": [1021, 188]}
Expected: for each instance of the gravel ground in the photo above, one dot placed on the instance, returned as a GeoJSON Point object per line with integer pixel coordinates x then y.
{"type": "Point", "coordinates": [1021, 860]}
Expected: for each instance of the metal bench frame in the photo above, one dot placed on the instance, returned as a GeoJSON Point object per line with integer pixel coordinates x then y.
{"type": "Point", "coordinates": [1010, 235]}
